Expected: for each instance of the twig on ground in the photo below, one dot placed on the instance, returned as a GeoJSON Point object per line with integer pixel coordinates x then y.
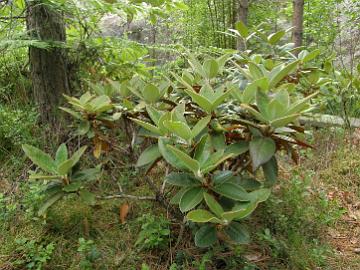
{"type": "Point", "coordinates": [126, 196]}
{"type": "Point", "coordinates": [160, 197]}
{"type": "Point", "coordinates": [164, 182]}
{"type": "Point", "coordinates": [181, 233]}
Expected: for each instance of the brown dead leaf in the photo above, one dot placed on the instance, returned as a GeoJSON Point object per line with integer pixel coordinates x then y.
{"type": "Point", "coordinates": [294, 155]}
{"type": "Point", "coordinates": [124, 211]}
{"type": "Point", "coordinates": [253, 257]}
{"type": "Point", "coordinates": [97, 150]}
{"type": "Point", "coordinates": [100, 146]}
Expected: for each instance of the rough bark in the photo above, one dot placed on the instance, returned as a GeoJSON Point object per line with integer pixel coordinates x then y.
{"type": "Point", "coordinates": [298, 21]}
{"type": "Point", "coordinates": [48, 66]}
{"type": "Point", "coordinates": [242, 15]}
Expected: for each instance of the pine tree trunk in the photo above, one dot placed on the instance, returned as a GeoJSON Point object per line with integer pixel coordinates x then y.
{"type": "Point", "coordinates": [48, 66]}
{"type": "Point", "coordinates": [298, 21]}
{"type": "Point", "coordinates": [242, 15]}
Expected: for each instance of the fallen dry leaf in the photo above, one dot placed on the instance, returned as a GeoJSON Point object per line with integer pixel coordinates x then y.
{"type": "Point", "coordinates": [124, 211]}
{"type": "Point", "coordinates": [100, 146]}
{"type": "Point", "coordinates": [253, 256]}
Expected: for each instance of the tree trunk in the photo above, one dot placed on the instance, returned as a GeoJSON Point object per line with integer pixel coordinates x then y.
{"type": "Point", "coordinates": [298, 21]}
{"type": "Point", "coordinates": [242, 15]}
{"type": "Point", "coordinates": [48, 66]}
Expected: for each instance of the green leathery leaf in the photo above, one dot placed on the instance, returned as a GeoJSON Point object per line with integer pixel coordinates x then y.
{"type": "Point", "coordinates": [255, 113]}
{"type": "Point", "coordinates": [213, 205]}
{"type": "Point", "coordinates": [197, 67]}
{"type": "Point", "coordinates": [73, 113]}
{"type": "Point", "coordinates": [220, 99]}
{"type": "Point", "coordinates": [262, 102]}
{"type": "Point", "coordinates": [232, 191]}
{"type": "Point", "coordinates": [205, 236]}
{"type": "Point", "coordinates": [242, 29]}
{"type": "Point", "coordinates": [149, 155]}
{"type": "Point", "coordinates": [147, 126]}
{"type": "Point", "coordinates": [168, 155]}
{"type": "Point", "coordinates": [191, 198]}
{"type": "Point", "coordinates": [284, 121]}
{"type": "Point", "coordinates": [239, 213]}
{"type": "Point", "coordinates": [44, 177]}
{"type": "Point", "coordinates": [65, 167]}
{"type": "Point", "coordinates": [276, 109]}
{"type": "Point", "coordinates": [222, 177]}
{"type": "Point", "coordinates": [282, 96]}
{"type": "Point", "coordinates": [237, 149]}
{"type": "Point", "coordinates": [177, 197]}
{"type": "Point", "coordinates": [249, 93]}
{"type": "Point", "coordinates": [165, 117]}
{"type": "Point", "coordinates": [263, 83]}
{"type": "Point", "coordinates": [218, 141]}
{"type": "Point", "coordinates": [188, 77]}
{"type": "Point", "coordinates": [275, 37]}
{"type": "Point", "coordinates": [310, 56]}
{"type": "Point", "coordinates": [208, 92]}
{"type": "Point", "coordinates": [179, 128]}
{"type": "Point", "coordinates": [202, 216]}
{"type": "Point", "coordinates": [177, 114]}
{"type": "Point", "coordinates": [249, 184]}
{"type": "Point", "coordinates": [222, 61]}
{"type": "Point", "coordinates": [40, 158]}
{"type": "Point", "coordinates": [182, 81]}
{"type": "Point", "coordinates": [77, 155]}
{"type": "Point", "coordinates": [154, 114]}
{"type": "Point", "coordinates": [90, 174]}
{"type": "Point", "coordinates": [192, 164]}
{"type": "Point", "coordinates": [61, 154]}
{"type": "Point", "coordinates": [260, 195]}
{"type": "Point", "coordinates": [182, 179]}
{"type": "Point", "coordinates": [211, 68]}
{"type": "Point", "coordinates": [255, 71]}
{"type": "Point", "coordinates": [83, 128]}
{"type": "Point", "coordinates": [203, 149]}
{"type": "Point", "coordinates": [200, 125]}
{"type": "Point", "coordinates": [282, 73]}
{"type": "Point", "coordinates": [270, 170]}
{"type": "Point", "coordinates": [151, 93]}
{"type": "Point", "coordinates": [300, 105]}
{"type": "Point", "coordinates": [237, 233]}
{"type": "Point", "coordinates": [101, 104]}
{"type": "Point", "coordinates": [72, 187]}
{"type": "Point", "coordinates": [87, 97]}
{"type": "Point", "coordinates": [262, 149]}
{"type": "Point", "coordinates": [215, 161]}
{"type": "Point", "coordinates": [203, 102]}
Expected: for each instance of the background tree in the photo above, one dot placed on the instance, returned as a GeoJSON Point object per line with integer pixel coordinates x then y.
{"type": "Point", "coordinates": [298, 21]}
{"type": "Point", "coordinates": [48, 66]}
{"type": "Point", "coordinates": [242, 15]}
{"type": "Point", "coordinates": [243, 11]}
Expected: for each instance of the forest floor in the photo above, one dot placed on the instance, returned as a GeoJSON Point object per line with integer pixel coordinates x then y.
{"type": "Point", "coordinates": [337, 165]}
{"type": "Point", "coordinates": [311, 222]}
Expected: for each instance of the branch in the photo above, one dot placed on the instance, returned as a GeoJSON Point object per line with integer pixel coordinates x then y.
{"type": "Point", "coordinates": [181, 234]}
{"type": "Point", "coordinates": [13, 17]}
{"type": "Point", "coordinates": [125, 196]}
{"type": "Point", "coordinates": [161, 198]}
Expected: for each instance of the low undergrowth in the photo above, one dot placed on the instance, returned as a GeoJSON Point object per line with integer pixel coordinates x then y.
{"type": "Point", "coordinates": [292, 230]}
